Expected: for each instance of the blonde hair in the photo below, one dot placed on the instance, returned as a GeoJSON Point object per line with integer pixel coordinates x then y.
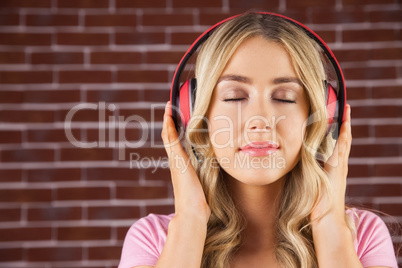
{"type": "Point", "coordinates": [294, 245]}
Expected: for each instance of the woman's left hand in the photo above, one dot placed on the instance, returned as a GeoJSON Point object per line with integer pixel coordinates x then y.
{"type": "Point", "coordinates": [337, 170]}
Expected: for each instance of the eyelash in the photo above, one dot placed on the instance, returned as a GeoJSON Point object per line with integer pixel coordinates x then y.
{"type": "Point", "coordinates": [241, 99]}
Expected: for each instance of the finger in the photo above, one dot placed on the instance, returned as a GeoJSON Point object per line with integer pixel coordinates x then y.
{"type": "Point", "coordinates": [343, 144]}
{"type": "Point", "coordinates": [171, 141]}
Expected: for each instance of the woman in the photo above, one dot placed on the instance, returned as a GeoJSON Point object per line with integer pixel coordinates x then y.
{"type": "Point", "coordinates": [249, 190]}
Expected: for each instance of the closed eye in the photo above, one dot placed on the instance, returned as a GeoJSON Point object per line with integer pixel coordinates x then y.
{"type": "Point", "coordinates": [234, 99]}
{"type": "Point", "coordinates": [284, 100]}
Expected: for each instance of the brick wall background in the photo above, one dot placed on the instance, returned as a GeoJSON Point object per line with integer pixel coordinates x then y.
{"type": "Point", "coordinates": [64, 206]}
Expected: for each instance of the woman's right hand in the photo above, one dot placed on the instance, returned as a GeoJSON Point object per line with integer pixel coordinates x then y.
{"type": "Point", "coordinates": [188, 193]}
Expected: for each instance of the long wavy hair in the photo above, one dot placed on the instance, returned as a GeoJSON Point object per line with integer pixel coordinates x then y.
{"type": "Point", "coordinates": [303, 186]}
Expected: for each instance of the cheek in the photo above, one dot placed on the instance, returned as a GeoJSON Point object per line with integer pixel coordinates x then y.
{"type": "Point", "coordinates": [222, 131]}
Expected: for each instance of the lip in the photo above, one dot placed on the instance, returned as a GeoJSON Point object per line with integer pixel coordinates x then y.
{"type": "Point", "coordinates": [260, 148]}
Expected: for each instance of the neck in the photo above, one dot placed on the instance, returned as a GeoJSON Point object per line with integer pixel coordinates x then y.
{"type": "Point", "coordinates": [260, 207]}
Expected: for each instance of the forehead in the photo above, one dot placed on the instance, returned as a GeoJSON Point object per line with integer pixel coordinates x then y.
{"type": "Point", "coordinates": [258, 57]}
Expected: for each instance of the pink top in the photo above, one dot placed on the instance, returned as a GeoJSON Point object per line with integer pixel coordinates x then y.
{"type": "Point", "coordinates": [145, 240]}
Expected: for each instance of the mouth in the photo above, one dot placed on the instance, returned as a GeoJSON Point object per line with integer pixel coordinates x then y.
{"type": "Point", "coordinates": [260, 148]}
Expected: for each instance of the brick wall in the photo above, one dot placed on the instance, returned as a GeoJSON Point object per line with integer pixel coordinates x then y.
{"type": "Point", "coordinates": [64, 206]}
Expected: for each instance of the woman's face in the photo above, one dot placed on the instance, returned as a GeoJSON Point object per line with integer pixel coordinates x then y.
{"type": "Point", "coordinates": [257, 113]}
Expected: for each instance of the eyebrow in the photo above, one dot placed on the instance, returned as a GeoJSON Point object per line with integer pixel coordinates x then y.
{"type": "Point", "coordinates": [246, 80]}
{"type": "Point", "coordinates": [236, 78]}
{"type": "Point", "coordinates": [281, 80]}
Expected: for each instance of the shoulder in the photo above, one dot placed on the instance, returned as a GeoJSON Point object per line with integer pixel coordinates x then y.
{"type": "Point", "coordinates": [151, 230]}
{"type": "Point", "coordinates": [145, 240]}
{"type": "Point", "coordinates": [153, 222]}
{"type": "Point", "coordinates": [373, 241]}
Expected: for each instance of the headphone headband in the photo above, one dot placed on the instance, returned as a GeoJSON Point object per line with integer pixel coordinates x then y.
{"type": "Point", "coordinates": [175, 87]}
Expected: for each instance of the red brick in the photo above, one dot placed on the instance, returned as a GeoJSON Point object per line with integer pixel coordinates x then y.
{"type": "Point", "coordinates": [301, 15]}
{"type": "Point", "coordinates": [49, 96]}
{"type": "Point", "coordinates": [184, 38]}
{"type": "Point", "coordinates": [10, 254]}
{"type": "Point", "coordinates": [131, 135]}
{"type": "Point", "coordinates": [327, 36]}
{"type": "Point", "coordinates": [11, 57]}
{"type": "Point", "coordinates": [357, 93]}
{"type": "Point", "coordinates": [388, 131]}
{"type": "Point", "coordinates": [112, 174]}
{"type": "Point", "coordinates": [107, 57]}
{"type": "Point", "coordinates": [167, 19]}
{"type": "Point", "coordinates": [206, 3]}
{"type": "Point", "coordinates": [386, 54]}
{"type": "Point", "coordinates": [10, 214]}
{"type": "Point", "coordinates": [145, 114]}
{"type": "Point", "coordinates": [158, 174]}
{"type": "Point", "coordinates": [211, 18]}
{"type": "Point", "coordinates": [359, 171]}
{"type": "Point", "coordinates": [386, 92]}
{"type": "Point", "coordinates": [139, 38]}
{"type": "Point", "coordinates": [164, 56]}
{"type": "Point", "coordinates": [377, 111]}
{"type": "Point", "coordinates": [83, 3]}
{"type": "Point", "coordinates": [143, 76]}
{"type": "Point", "coordinates": [51, 213]}
{"type": "Point", "coordinates": [86, 154]}
{"type": "Point", "coordinates": [10, 175]}
{"type": "Point", "coordinates": [27, 155]}
{"type": "Point", "coordinates": [290, 4]}
{"type": "Point", "coordinates": [140, 4]}
{"type": "Point", "coordinates": [57, 58]}
{"type": "Point", "coordinates": [374, 150]}
{"type": "Point", "coordinates": [55, 253]}
{"type": "Point", "coordinates": [53, 175]}
{"type": "Point", "coordinates": [25, 39]}
{"type": "Point", "coordinates": [25, 77]}
{"type": "Point", "coordinates": [351, 55]}
{"type": "Point", "coordinates": [155, 95]}
{"type": "Point", "coordinates": [257, 5]}
{"type": "Point", "coordinates": [393, 209]}
{"type": "Point", "coordinates": [374, 190]}
{"type": "Point", "coordinates": [367, 2]}
{"type": "Point", "coordinates": [26, 3]}
{"type": "Point", "coordinates": [82, 39]}
{"type": "Point", "coordinates": [164, 210]}
{"type": "Point", "coordinates": [26, 116]}
{"type": "Point", "coordinates": [368, 35]}
{"type": "Point", "coordinates": [10, 136]}
{"type": "Point", "coordinates": [387, 170]}
{"type": "Point", "coordinates": [9, 19]}
{"type": "Point", "coordinates": [113, 95]}
{"type": "Point", "coordinates": [386, 15]}
{"type": "Point", "coordinates": [11, 96]}
{"type": "Point", "coordinates": [370, 73]}
{"type": "Point", "coordinates": [85, 114]}
{"type": "Point", "coordinates": [129, 20]}
{"type": "Point", "coordinates": [113, 212]}
{"type": "Point", "coordinates": [104, 253]}
{"type": "Point", "coordinates": [85, 76]}
{"type": "Point", "coordinates": [121, 232]}
{"type": "Point", "coordinates": [328, 15]}
{"type": "Point", "coordinates": [83, 193]}
{"type": "Point", "coordinates": [141, 192]}
{"type": "Point", "coordinates": [25, 195]}
{"type": "Point", "coordinates": [51, 20]}
{"type": "Point", "coordinates": [83, 233]}
{"type": "Point", "coordinates": [360, 131]}
{"type": "Point", "coordinates": [51, 135]}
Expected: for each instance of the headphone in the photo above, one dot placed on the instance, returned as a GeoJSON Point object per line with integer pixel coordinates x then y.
{"type": "Point", "coordinates": [182, 97]}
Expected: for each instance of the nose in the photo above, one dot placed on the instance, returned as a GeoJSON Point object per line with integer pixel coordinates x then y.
{"type": "Point", "coordinates": [259, 123]}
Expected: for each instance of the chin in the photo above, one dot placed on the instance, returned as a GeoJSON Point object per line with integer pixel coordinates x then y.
{"type": "Point", "coordinates": [257, 177]}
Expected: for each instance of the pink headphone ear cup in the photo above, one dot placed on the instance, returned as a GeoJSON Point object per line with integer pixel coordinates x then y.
{"type": "Point", "coordinates": [186, 100]}
{"type": "Point", "coordinates": [332, 103]}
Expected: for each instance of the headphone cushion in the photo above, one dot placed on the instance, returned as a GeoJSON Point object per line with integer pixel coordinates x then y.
{"type": "Point", "coordinates": [331, 103]}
